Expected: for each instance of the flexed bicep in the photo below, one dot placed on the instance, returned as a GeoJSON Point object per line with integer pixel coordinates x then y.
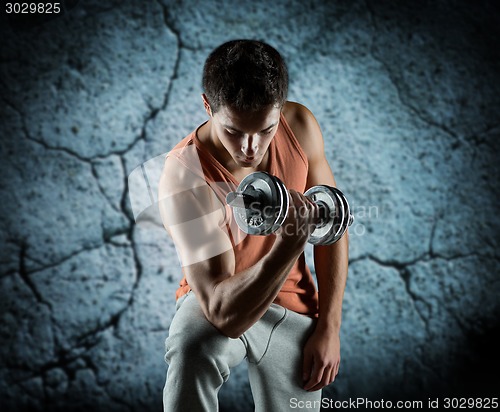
{"type": "Point", "coordinates": [192, 215]}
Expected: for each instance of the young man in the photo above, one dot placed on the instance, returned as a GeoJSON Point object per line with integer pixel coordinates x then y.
{"type": "Point", "coordinates": [248, 296]}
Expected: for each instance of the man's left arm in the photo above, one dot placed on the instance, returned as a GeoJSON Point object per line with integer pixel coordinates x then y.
{"type": "Point", "coordinates": [322, 350]}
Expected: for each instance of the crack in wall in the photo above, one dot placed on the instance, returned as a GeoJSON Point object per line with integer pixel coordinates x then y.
{"type": "Point", "coordinates": [472, 141]}
{"type": "Point", "coordinates": [114, 321]}
{"type": "Point", "coordinates": [130, 234]}
{"type": "Point", "coordinates": [63, 358]}
{"type": "Point", "coordinates": [402, 269]}
{"type": "Point", "coordinates": [77, 155]}
{"type": "Point", "coordinates": [412, 109]}
{"type": "Point", "coordinates": [43, 266]}
{"type": "Point", "coordinates": [27, 135]}
{"type": "Point", "coordinates": [115, 318]}
{"type": "Point", "coordinates": [171, 27]}
{"type": "Point", "coordinates": [152, 115]}
{"type": "Point", "coordinates": [175, 71]}
{"type": "Point", "coordinates": [404, 274]}
{"type": "Point", "coordinates": [24, 275]}
{"type": "Point", "coordinates": [101, 189]}
{"type": "Point", "coordinates": [68, 151]}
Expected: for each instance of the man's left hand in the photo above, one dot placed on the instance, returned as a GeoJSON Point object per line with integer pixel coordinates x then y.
{"type": "Point", "coordinates": [321, 360]}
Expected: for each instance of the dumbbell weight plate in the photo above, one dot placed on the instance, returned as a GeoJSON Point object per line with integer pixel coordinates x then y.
{"type": "Point", "coordinates": [282, 211]}
{"type": "Point", "coordinates": [340, 214]}
{"type": "Point", "coordinates": [272, 211]}
{"type": "Point", "coordinates": [328, 231]}
{"type": "Point", "coordinates": [347, 218]}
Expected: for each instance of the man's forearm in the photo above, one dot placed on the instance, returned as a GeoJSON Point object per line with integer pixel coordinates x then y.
{"type": "Point", "coordinates": [240, 300]}
{"type": "Point", "coordinates": [331, 263]}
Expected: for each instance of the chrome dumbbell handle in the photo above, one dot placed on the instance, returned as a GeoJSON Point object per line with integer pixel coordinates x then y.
{"type": "Point", "coordinates": [250, 198]}
{"type": "Point", "coordinates": [323, 212]}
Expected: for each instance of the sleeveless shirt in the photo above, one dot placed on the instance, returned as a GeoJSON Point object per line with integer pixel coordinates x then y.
{"type": "Point", "coordinates": [288, 162]}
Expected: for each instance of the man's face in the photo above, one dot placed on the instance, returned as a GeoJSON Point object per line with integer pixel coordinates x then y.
{"type": "Point", "coordinates": [246, 135]}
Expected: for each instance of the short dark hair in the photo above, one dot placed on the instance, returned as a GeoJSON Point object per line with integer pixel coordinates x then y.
{"type": "Point", "coordinates": [246, 75]}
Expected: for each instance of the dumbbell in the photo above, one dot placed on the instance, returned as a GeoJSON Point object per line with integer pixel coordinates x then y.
{"type": "Point", "coordinates": [260, 206]}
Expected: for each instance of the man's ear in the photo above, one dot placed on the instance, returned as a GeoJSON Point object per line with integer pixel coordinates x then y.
{"type": "Point", "coordinates": [208, 109]}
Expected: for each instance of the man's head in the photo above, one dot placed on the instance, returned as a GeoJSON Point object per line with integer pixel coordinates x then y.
{"type": "Point", "coordinates": [245, 75]}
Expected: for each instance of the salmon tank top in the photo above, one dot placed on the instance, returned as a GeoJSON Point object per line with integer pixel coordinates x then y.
{"type": "Point", "coordinates": [288, 162]}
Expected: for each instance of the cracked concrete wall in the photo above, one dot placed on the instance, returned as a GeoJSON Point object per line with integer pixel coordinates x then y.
{"type": "Point", "coordinates": [407, 96]}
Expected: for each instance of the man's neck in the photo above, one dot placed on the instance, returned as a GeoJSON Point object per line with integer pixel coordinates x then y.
{"type": "Point", "coordinates": [206, 135]}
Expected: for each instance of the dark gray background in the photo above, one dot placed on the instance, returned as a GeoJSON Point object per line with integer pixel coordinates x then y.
{"type": "Point", "coordinates": [407, 95]}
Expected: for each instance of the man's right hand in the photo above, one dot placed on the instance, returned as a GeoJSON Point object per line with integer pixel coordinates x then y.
{"type": "Point", "coordinates": [300, 222]}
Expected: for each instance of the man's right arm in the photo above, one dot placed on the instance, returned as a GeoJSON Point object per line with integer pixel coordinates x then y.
{"type": "Point", "coordinates": [194, 217]}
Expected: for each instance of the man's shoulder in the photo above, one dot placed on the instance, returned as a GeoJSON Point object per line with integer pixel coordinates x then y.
{"type": "Point", "coordinates": [294, 111]}
{"type": "Point", "coordinates": [299, 117]}
{"type": "Point", "coordinates": [182, 169]}
{"type": "Point", "coordinates": [305, 127]}
{"type": "Point", "coordinates": [183, 143]}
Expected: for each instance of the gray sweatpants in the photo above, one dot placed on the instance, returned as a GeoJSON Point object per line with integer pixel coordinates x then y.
{"type": "Point", "coordinates": [200, 359]}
